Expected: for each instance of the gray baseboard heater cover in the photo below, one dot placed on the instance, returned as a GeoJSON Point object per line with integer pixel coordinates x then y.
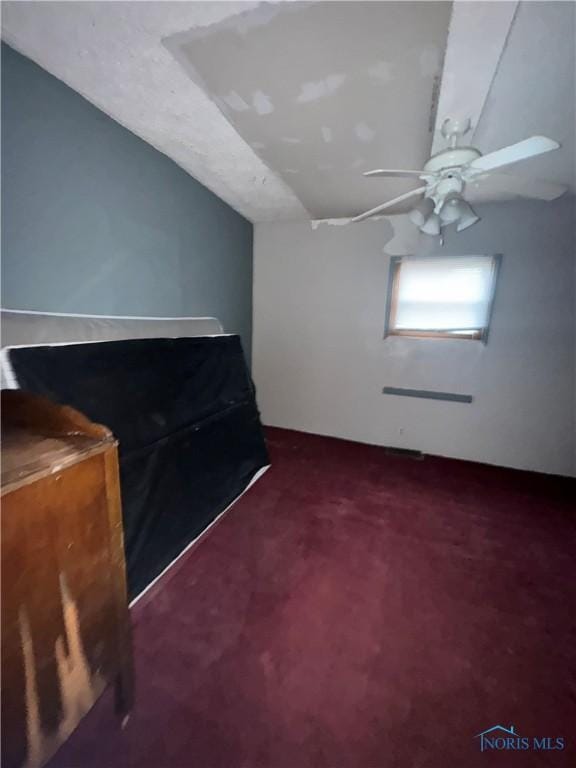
{"type": "Point", "coordinates": [427, 394]}
{"type": "Point", "coordinates": [406, 453]}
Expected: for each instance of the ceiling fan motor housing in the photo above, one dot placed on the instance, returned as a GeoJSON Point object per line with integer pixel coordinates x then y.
{"type": "Point", "coordinates": [451, 158]}
{"type": "Point", "coordinates": [446, 174]}
{"type": "Point", "coordinates": [450, 186]}
{"type": "Point", "coordinates": [447, 182]}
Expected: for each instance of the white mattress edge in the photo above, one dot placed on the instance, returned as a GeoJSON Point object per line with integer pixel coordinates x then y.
{"type": "Point", "coordinates": [255, 479]}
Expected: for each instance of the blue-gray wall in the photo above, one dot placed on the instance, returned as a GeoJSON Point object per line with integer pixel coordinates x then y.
{"type": "Point", "coordinates": [97, 221]}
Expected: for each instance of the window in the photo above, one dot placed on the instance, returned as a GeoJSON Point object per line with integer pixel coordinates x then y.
{"type": "Point", "coordinates": [441, 296]}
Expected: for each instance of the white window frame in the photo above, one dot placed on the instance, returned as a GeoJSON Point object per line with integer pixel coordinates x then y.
{"type": "Point", "coordinates": [481, 334]}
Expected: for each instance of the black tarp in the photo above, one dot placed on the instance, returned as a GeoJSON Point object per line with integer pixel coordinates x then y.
{"type": "Point", "coordinates": [186, 419]}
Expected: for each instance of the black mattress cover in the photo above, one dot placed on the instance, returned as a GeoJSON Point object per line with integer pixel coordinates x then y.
{"type": "Point", "coordinates": [185, 415]}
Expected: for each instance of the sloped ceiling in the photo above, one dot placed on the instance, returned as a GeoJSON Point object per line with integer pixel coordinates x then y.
{"type": "Point", "coordinates": [324, 91]}
{"type": "Point", "coordinates": [535, 90]}
{"type": "Point", "coordinates": [278, 107]}
{"type": "Point", "coordinates": [112, 53]}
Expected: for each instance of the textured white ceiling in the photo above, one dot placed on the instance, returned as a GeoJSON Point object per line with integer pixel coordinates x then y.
{"type": "Point", "coordinates": [324, 91]}
{"type": "Point", "coordinates": [115, 54]}
{"type": "Point", "coordinates": [112, 53]}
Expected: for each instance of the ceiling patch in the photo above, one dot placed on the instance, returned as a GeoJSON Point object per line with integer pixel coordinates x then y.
{"type": "Point", "coordinates": [262, 103]}
{"type": "Point", "coordinates": [316, 90]}
{"type": "Point", "coordinates": [315, 223]}
{"type": "Point", "coordinates": [364, 132]}
{"type": "Point", "coordinates": [177, 68]}
{"type": "Point", "coordinates": [382, 71]}
{"type": "Point", "coordinates": [342, 78]}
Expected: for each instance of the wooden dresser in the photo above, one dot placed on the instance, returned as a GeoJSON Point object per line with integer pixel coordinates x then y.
{"type": "Point", "coordinates": [65, 622]}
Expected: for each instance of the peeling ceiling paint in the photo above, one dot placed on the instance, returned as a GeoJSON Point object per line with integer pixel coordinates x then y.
{"type": "Point", "coordinates": [346, 87]}
{"type": "Point", "coordinates": [116, 54]}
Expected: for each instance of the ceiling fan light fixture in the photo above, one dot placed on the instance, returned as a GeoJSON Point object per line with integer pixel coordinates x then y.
{"type": "Point", "coordinates": [421, 212]}
{"type": "Point", "coordinates": [447, 173]}
{"type": "Point", "coordinates": [432, 225]}
{"type": "Point", "coordinates": [452, 210]}
{"type": "Point", "coordinates": [468, 217]}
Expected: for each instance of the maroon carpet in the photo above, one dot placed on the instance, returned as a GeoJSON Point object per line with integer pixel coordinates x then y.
{"type": "Point", "coordinates": [357, 610]}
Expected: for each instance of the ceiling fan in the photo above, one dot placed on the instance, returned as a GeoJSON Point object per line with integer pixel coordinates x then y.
{"type": "Point", "coordinates": [447, 174]}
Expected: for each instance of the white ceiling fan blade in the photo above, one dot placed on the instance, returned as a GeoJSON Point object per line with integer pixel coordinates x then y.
{"type": "Point", "coordinates": [498, 185]}
{"type": "Point", "coordinates": [536, 145]}
{"type": "Point", "coordinates": [389, 204]}
{"type": "Point", "coordinates": [399, 174]}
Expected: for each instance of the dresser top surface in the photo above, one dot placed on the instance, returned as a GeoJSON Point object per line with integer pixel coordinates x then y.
{"type": "Point", "coordinates": [27, 456]}
{"type": "Point", "coordinates": [40, 437]}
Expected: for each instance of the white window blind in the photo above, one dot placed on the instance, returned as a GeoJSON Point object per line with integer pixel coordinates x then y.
{"type": "Point", "coordinates": [451, 295]}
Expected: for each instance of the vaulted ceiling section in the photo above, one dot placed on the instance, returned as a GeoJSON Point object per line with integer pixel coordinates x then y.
{"type": "Point", "coordinates": [279, 107]}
